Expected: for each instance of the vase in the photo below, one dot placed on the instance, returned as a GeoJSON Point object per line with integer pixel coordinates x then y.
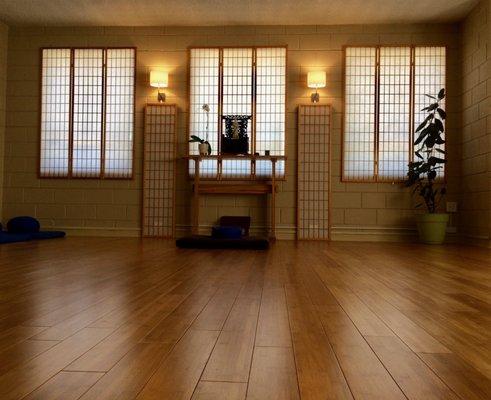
{"type": "Point", "coordinates": [432, 228]}
{"type": "Point", "coordinates": [203, 149]}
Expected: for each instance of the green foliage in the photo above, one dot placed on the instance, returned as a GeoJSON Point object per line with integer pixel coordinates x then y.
{"type": "Point", "coordinates": [423, 172]}
{"type": "Point", "coordinates": [197, 139]}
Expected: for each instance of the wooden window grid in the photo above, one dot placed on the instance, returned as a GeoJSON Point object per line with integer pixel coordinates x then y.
{"type": "Point", "coordinates": [384, 91]}
{"type": "Point", "coordinates": [239, 80]}
{"type": "Point", "coordinates": [87, 113]}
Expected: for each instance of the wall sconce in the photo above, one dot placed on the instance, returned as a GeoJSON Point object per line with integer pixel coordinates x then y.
{"type": "Point", "coordinates": [316, 80]}
{"type": "Point", "coordinates": [159, 79]}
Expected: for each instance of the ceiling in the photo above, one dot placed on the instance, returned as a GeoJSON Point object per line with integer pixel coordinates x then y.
{"type": "Point", "coordinates": [229, 12]}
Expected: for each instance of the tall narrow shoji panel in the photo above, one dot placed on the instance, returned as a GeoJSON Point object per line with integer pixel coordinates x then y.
{"type": "Point", "coordinates": [159, 170]}
{"type": "Point", "coordinates": [313, 172]}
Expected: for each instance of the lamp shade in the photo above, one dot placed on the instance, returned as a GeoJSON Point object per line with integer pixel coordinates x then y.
{"type": "Point", "coordinates": [316, 79]}
{"type": "Point", "coordinates": [159, 79]}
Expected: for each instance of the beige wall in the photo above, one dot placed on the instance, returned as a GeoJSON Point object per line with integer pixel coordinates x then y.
{"type": "Point", "coordinates": [476, 122]}
{"type": "Point", "coordinates": [3, 88]}
{"type": "Point", "coordinates": [107, 207]}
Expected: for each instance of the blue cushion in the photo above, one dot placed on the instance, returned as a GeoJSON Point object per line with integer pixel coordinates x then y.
{"type": "Point", "coordinates": [23, 225]}
{"type": "Point", "coordinates": [47, 235]}
{"type": "Point", "coordinates": [226, 232]}
{"type": "Point", "coordinates": [13, 237]}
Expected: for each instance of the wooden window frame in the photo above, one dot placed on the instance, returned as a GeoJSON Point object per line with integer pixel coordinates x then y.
{"type": "Point", "coordinates": [253, 108]}
{"type": "Point", "coordinates": [72, 84]}
{"type": "Point", "coordinates": [412, 48]}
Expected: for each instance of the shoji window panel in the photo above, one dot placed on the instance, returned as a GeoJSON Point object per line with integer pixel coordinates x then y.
{"type": "Point", "coordinates": [394, 111]}
{"type": "Point", "coordinates": [359, 132]}
{"type": "Point", "coordinates": [270, 107]}
{"type": "Point", "coordinates": [237, 92]}
{"type": "Point", "coordinates": [429, 76]}
{"type": "Point", "coordinates": [87, 113]}
{"type": "Point", "coordinates": [385, 90]}
{"type": "Point", "coordinates": [55, 112]}
{"type": "Point", "coordinates": [204, 87]}
{"type": "Point", "coordinates": [120, 103]}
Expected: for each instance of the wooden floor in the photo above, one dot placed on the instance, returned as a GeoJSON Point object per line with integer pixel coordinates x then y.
{"type": "Point", "coordinates": [128, 319]}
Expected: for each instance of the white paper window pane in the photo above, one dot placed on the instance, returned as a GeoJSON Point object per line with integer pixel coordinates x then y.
{"type": "Point", "coordinates": [270, 107]}
{"type": "Point", "coordinates": [120, 88]}
{"type": "Point", "coordinates": [238, 169]}
{"type": "Point", "coordinates": [394, 111]}
{"type": "Point", "coordinates": [359, 128]}
{"type": "Point", "coordinates": [264, 169]}
{"type": "Point", "coordinates": [237, 82]}
{"type": "Point", "coordinates": [204, 86]}
{"type": "Point", "coordinates": [87, 112]}
{"type": "Point", "coordinates": [237, 100]}
{"type": "Point", "coordinates": [430, 67]}
{"type": "Point", "coordinates": [55, 113]}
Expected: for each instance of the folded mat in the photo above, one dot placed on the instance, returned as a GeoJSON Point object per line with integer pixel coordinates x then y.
{"type": "Point", "coordinates": [207, 242]}
{"type": "Point", "coordinates": [13, 237]}
{"type": "Point", "coordinates": [47, 235]}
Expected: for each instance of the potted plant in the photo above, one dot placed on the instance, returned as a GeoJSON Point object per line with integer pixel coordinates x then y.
{"type": "Point", "coordinates": [423, 172]}
{"type": "Point", "coordinates": [204, 147]}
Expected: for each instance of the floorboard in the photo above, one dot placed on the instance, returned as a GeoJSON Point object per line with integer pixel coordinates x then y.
{"type": "Point", "coordinates": [124, 319]}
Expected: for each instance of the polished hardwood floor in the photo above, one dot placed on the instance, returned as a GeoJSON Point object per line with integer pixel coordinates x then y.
{"type": "Point", "coordinates": [105, 318]}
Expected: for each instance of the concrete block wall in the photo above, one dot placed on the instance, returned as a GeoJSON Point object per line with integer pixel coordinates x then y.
{"type": "Point", "coordinates": [367, 211]}
{"type": "Point", "coordinates": [475, 198]}
{"type": "Point", "coordinates": [3, 92]}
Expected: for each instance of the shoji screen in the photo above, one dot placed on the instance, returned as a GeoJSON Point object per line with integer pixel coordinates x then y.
{"type": "Point", "coordinates": [237, 100]}
{"type": "Point", "coordinates": [270, 107]}
{"type": "Point", "coordinates": [239, 81]}
{"type": "Point", "coordinates": [429, 78]}
{"type": "Point", "coordinates": [204, 89]}
{"type": "Point", "coordinates": [55, 113]}
{"type": "Point", "coordinates": [313, 172]}
{"type": "Point", "coordinates": [394, 111]}
{"type": "Point", "coordinates": [120, 103]}
{"type": "Point", "coordinates": [87, 112]}
{"type": "Point", "coordinates": [359, 117]}
{"type": "Point", "coordinates": [385, 89]}
{"type": "Point", "coordinates": [159, 170]}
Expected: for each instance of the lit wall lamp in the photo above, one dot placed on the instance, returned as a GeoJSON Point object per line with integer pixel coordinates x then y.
{"type": "Point", "coordinates": [316, 80]}
{"type": "Point", "coordinates": [159, 79]}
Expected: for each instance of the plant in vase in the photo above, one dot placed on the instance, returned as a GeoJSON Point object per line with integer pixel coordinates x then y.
{"type": "Point", "coordinates": [204, 146]}
{"type": "Point", "coordinates": [423, 172]}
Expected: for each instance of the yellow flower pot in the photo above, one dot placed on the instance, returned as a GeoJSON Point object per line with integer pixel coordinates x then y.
{"type": "Point", "coordinates": [432, 227]}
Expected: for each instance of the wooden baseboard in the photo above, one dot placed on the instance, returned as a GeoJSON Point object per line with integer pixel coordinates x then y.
{"type": "Point", "coordinates": [475, 240]}
{"type": "Point", "coordinates": [288, 232]}
{"type": "Point", "coordinates": [373, 234]}
{"type": "Point", "coordinates": [101, 232]}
